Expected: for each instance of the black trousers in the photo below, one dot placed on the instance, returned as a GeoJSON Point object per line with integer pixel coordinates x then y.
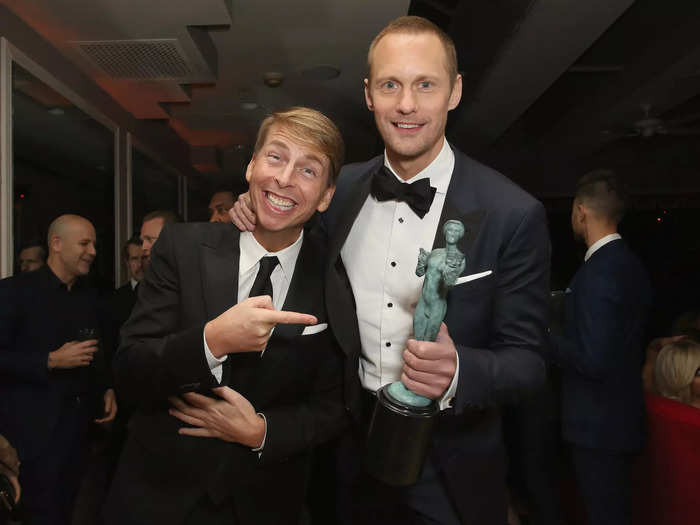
{"type": "Point", "coordinates": [604, 480]}
{"type": "Point", "coordinates": [50, 480]}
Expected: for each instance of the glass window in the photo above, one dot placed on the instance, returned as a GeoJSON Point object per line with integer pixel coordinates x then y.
{"type": "Point", "coordinates": [63, 162]}
{"type": "Point", "coordinates": [154, 187]}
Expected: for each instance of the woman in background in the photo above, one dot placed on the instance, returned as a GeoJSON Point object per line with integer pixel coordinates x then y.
{"type": "Point", "coordinates": [677, 372]}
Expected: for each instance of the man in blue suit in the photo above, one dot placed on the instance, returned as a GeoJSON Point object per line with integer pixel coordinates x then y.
{"type": "Point", "coordinates": [485, 354]}
{"type": "Point", "coordinates": [601, 352]}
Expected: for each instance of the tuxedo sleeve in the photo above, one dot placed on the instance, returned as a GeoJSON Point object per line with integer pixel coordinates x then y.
{"type": "Point", "coordinates": [511, 365]}
{"type": "Point", "coordinates": [600, 327]}
{"type": "Point", "coordinates": [156, 358]}
{"type": "Point", "coordinates": [293, 428]}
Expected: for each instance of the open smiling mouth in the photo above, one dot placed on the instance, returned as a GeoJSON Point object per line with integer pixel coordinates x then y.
{"type": "Point", "coordinates": [278, 202]}
{"type": "Point", "coordinates": [407, 125]}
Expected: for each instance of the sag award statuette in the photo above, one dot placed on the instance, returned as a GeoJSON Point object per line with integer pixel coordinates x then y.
{"type": "Point", "coordinates": [402, 422]}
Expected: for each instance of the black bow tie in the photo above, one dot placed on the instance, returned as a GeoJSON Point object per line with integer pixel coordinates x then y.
{"type": "Point", "coordinates": [418, 195]}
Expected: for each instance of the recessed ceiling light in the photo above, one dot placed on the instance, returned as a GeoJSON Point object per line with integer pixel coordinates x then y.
{"type": "Point", "coordinates": [57, 111]}
{"type": "Point", "coordinates": [273, 78]}
{"type": "Point", "coordinates": [249, 105]}
{"type": "Point", "coordinates": [321, 73]}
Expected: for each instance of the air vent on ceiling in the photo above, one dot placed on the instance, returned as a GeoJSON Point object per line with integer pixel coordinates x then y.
{"type": "Point", "coordinates": [160, 59]}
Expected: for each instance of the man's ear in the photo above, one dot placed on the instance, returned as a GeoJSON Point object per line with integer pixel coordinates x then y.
{"type": "Point", "coordinates": [325, 199]}
{"type": "Point", "coordinates": [249, 168]}
{"type": "Point", "coordinates": [55, 243]}
{"type": "Point", "coordinates": [456, 94]}
{"type": "Point", "coordinates": [368, 96]}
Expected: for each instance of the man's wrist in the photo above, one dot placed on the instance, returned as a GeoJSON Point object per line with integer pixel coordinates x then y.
{"type": "Point", "coordinates": [210, 335]}
{"type": "Point", "coordinates": [50, 361]}
{"type": "Point", "coordinates": [260, 434]}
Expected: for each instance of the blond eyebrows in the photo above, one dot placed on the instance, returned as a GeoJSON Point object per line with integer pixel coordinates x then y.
{"type": "Point", "coordinates": [310, 128]}
{"type": "Point", "coordinates": [416, 25]}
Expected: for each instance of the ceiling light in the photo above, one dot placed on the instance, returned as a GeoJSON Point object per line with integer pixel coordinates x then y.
{"type": "Point", "coordinates": [249, 105]}
{"type": "Point", "coordinates": [57, 112]}
{"type": "Point", "coordinates": [273, 78]}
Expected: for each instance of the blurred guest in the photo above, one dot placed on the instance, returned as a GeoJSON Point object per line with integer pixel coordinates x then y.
{"type": "Point", "coordinates": [686, 326]}
{"type": "Point", "coordinates": [601, 352]}
{"type": "Point", "coordinates": [150, 230]}
{"type": "Point", "coordinates": [677, 372]}
{"type": "Point", "coordinates": [52, 379]}
{"type": "Point", "coordinates": [32, 257]}
{"type": "Point", "coordinates": [219, 205]}
{"type": "Point", "coordinates": [125, 296]}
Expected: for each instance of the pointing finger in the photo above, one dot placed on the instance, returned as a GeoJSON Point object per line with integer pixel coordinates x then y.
{"type": "Point", "coordinates": [284, 317]}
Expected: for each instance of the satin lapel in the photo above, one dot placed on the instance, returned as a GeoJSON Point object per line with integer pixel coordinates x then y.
{"type": "Point", "coordinates": [303, 291]}
{"type": "Point", "coordinates": [454, 209]}
{"type": "Point", "coordinates": [349, 213]}
{"type": "Point", "coordinates": [219, 260]}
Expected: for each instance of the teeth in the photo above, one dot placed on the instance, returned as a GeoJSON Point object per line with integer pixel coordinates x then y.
{"type": "Point", "coordinates": [278, 201]}
{"type": "Point", "coordinates": [407, 126]}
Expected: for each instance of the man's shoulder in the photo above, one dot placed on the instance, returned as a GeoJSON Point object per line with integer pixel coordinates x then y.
{"type": "Point", "coordinates": [350, 174]}
{"type": "Point", "coordinates": [191, 233]}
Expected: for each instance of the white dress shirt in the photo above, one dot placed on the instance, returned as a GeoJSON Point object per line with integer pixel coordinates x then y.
{"type": "Point", "coordinates": [380, 256]}
{"type": "Point", "coordinates": [251, 251]}
{"type": "Point", "coordinates": [133, 283]}
{"type": "Point", "coordinates": [600, 243]}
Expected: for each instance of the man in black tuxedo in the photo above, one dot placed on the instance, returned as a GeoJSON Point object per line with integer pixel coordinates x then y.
{"type": "Point", "coordinates": [232, 391]}
{"type": "Point", "coordinates": [601, 353]}
{"type": "Point", "coordinates": [486, 352]}
{"type": "Point", "coordinates": [124, 297]}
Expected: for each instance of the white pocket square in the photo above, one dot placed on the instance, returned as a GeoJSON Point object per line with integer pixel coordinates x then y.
{"type": "Point", "coordinates": [314, 329]}
{"type": "Point", "coordinates": [472, 277]}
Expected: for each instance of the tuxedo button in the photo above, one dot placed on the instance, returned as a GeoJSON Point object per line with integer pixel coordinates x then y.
{"type": "Point", "coordinates": [390, 305]}
{"type": "Point", "coordinates": [400, 220]}
{"type": "Point", "coordinates": [393, 263]}
{"type": "Point", "coordinates": [388, 344]}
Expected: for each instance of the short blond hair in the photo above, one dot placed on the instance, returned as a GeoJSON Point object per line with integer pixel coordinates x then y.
{"type": "Point", "coordinates": [310, 128]}
{"type": "Point", "coordinates": [675, 369]}
{"type": "Point", "coordinates": [416, 25]}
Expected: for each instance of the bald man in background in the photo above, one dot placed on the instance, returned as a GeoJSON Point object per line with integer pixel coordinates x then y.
{"type": "Point", "coordinates": [52, 380]}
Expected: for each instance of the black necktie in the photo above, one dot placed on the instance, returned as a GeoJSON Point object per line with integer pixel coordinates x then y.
{"type": "Point", "coordinates": [262, 284]}
{"type": "Point", "coordinates": [418, 195]}
{"type": "Point", "coordinates": [238, 368]}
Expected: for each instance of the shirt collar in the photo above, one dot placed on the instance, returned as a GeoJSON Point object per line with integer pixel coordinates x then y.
{"type": "Point", "coordinates": [133, 282]}
{"type": "Point", "coordinates": [54, 282]}
{"type": "Point", "coordinates": [439, 171]}
{"type": "Point", "coordinates": [252, 251]}
{"type": "Point", "coordinates": [600, 243]}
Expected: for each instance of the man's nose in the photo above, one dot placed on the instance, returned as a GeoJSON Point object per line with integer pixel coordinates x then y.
{"type": "Point", "coordinates": [284, 176]}
{"type": "Point", "coordinates": [407, 102]}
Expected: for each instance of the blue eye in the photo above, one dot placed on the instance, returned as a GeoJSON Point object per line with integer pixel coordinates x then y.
{"type": "Point", "coordinates": [389, 84]}
{"type": "Point", "coordinates": [426, 84]}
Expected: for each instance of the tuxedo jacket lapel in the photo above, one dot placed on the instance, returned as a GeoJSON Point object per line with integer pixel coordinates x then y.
{"type": "Point", "coordinates": [307, 278]}
{"type": "Point", "coordinates": [219, 260]}
{"type": "Point", "coordinates": [459, 206]}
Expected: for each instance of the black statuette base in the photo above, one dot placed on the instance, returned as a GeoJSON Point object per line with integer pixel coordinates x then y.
{"type": "Point", "coordinates": [398, 439]}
